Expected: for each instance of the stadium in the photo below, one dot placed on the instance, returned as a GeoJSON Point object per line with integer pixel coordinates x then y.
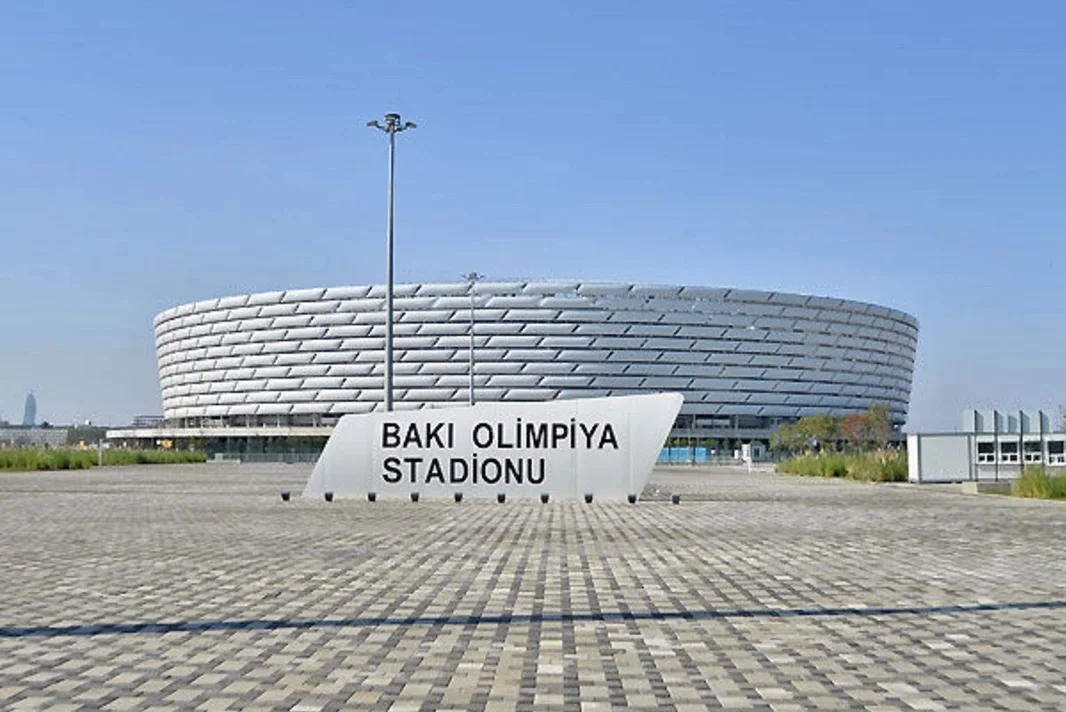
{"type": "Point", "coordinates": [290, 363]}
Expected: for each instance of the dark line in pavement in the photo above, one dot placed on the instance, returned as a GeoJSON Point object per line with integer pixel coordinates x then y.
{"type": "Point", "coordinates": [46, 631]}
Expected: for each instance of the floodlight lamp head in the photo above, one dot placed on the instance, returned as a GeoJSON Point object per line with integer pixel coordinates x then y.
{"type": "Point", "coordinates": [410, 125]}
{"type": "Point", "coordinates": [374, 124]}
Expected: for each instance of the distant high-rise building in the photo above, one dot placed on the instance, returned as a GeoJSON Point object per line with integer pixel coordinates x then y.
{"type": "Point", "coordinates": [30, 416]}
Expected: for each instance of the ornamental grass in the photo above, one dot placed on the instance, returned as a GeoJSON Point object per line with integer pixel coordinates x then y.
{"type": "Point", "coordinates": [884, 465]}
{"type": "Point", "coordinates": [1035, 482]}
{"type": "Point", "coordinates": [28, 459]}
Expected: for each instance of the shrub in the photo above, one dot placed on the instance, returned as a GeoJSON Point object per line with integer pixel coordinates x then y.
{"type": "Point", "coordinates": [69, 459]}
{"type": "Point", "coordinates": [884, 465]}
{"type": "Point", "coordinates": [152, 457]}
{"type": "Point", "coordinates": [42, 459]}
{"type": "Point", "coordinates": [1035, 482]}
{"type": "Point", "coordinates": [1058, 486]}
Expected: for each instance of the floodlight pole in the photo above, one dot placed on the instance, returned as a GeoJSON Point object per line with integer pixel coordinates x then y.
{"type": "Point", "coordinates": [472, 278]}
{"type": "Point", "coordinates": [392, 126]}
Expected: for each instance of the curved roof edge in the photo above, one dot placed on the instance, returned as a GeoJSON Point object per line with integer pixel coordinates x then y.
{"type": "Point", "coordinates": [549, 286]}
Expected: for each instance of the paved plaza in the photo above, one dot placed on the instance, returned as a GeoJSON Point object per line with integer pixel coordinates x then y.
{"type": "Point", "coordinates": [197, 588]}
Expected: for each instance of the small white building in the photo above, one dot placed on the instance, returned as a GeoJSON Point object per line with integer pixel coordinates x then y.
{"type": "Point", "coordinates": [992, 445]}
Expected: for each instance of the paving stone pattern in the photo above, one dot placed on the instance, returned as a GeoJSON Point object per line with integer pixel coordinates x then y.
{"type": "Point", "coordinates": [197, 588]}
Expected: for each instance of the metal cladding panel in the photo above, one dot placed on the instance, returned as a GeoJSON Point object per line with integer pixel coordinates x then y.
{"type": "Point", "coordinates": [683, 357]}
{"type": "Point", "coordinates": [667, 383]}
{"type": "Point", "coordinates": [575, 315]}
{"type": "Point", "coordinates": [567, 342]}
{"type": "Point", "coordinates": [530, 315]}
{"type": "Point", "coordinates": [747, 295]}
{"type": "Point", "coordinates": [425, 316]}
{"type": "Point", "coordinates": [277, 310]}
{"type": "Point", "coordinates": [273, 409]}
{"type": "Point", "coordinates": [332, 319]}
{"type": "Point", "coordinates": [664, 343]}
{"type": "Point", "coordinates": [710, 333]}
{"type": "Point", "coordinates": [520, 341]}
{"type": "Point", "coordinates": [566, 381]}
{"type": "Point", "coordinates": [545, 339]}
{"type": "Point", "coordinates": [567, 302]}
{"type": "Point", "coordinates": [455, 303]}
{"type": "Point", "coordinates": [398, 290]}
{"type": "Point", "coordinates": [545, 368]}
{"type": "Point", "coordinates": [443, 367]}
{"type": "Point", "coordinates": [345, 292]}
{"type": "Point", "coordinates": [724, 396]}
{"type": "Point", "coordinates": [434, 355]}
{"type": "Point", "coordinates": [445, 329]}
{"type": "Point", "coordinates": [225, 328]}
{"type": "Point", "coordinates": [277, 347]}
{"type": "Point", "coordinates": [703, 293]}
{"type": "Point", "coordinates": [497, 287]}
{"type": "Point", "coordinates": [370, 318]}
{"type": "Point", "coordinates": [617, 381]}
{"type": "Point", "coordinates": [293, 396]}
{"type": "Point", "coordinates": [212, 317]}
{"type": "Point", "coordinates": [431, 395]}
{"type": "Point", "coordinates": [528, 394]}
{"type": "Point", "coordinates": [604, 289]}
{"type": "Point", "coordinates": [484, 329]}
{"type": "Point", "coordinates": [415, 342]}
{"type": "Point", "coordinates": [442, 289]}
{"type": "Point", "coordinates": [551, 287]}
{"type": "Point", "coordinates": [525, 301]}
{"type": "Point", "coordinates": [515, 380]}
{"type": "Point", "coordinates": [501, 367]}
{"type": "Point", "coordinates": [598, 329]}
{"type": "Point", "coordinates": [544, 328]}
{"type": "Point", "coordinates": [350, 407]}
{"type": "Point", "coordinates": [305, 370]}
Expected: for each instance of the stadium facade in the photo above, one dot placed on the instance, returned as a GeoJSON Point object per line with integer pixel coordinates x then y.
{"type": "Point", "coordinates": [293, 362]}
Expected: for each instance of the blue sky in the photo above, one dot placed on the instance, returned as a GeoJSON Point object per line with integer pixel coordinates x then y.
{"type": "Point", "coordinates": [909, 154]}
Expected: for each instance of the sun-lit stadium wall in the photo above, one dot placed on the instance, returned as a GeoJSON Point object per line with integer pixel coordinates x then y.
{"type": "Point", "coordinates": [738, 356]}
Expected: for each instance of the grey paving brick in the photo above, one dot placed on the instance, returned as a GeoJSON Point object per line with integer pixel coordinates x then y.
{"type": "Point", "coordinates": [197, 588]}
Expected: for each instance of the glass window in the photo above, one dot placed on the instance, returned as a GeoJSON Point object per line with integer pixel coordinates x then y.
{"type": "Point", "coordinates": [1034, 450]}
{"type": "Point", "coordinates": [1008, 451]}
{"type": "Point", "coordinates": [986, 452]}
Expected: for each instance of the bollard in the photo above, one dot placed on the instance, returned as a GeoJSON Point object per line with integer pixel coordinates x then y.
{"type": "Point", "coordinates": [544, 498]}
{"type": "Point", "coordinates": [285, 494]}
{"type": "Point", "coordinates": [329, 496]}
{"type": "Point", "coordinates": [414, 496]}
{"type": "Point", "coordinates": [501, 498]}
{"type": "Point", "coordinates": [458, 496]}
{"type": "Point", "coordinates": [632, 499]}
{"type": "Point", "coordinates": [372, 496]}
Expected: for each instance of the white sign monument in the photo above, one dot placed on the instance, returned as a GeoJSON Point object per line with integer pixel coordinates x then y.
{"type": "Point", "coordinates": [566, 449]}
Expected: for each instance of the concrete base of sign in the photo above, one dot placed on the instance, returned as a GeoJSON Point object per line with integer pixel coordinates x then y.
{"type": "Point", "coordinates": [566, 449]}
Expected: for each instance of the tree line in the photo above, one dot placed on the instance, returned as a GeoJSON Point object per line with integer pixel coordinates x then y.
{"type": "Point", "coordinates": [869, 430]}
